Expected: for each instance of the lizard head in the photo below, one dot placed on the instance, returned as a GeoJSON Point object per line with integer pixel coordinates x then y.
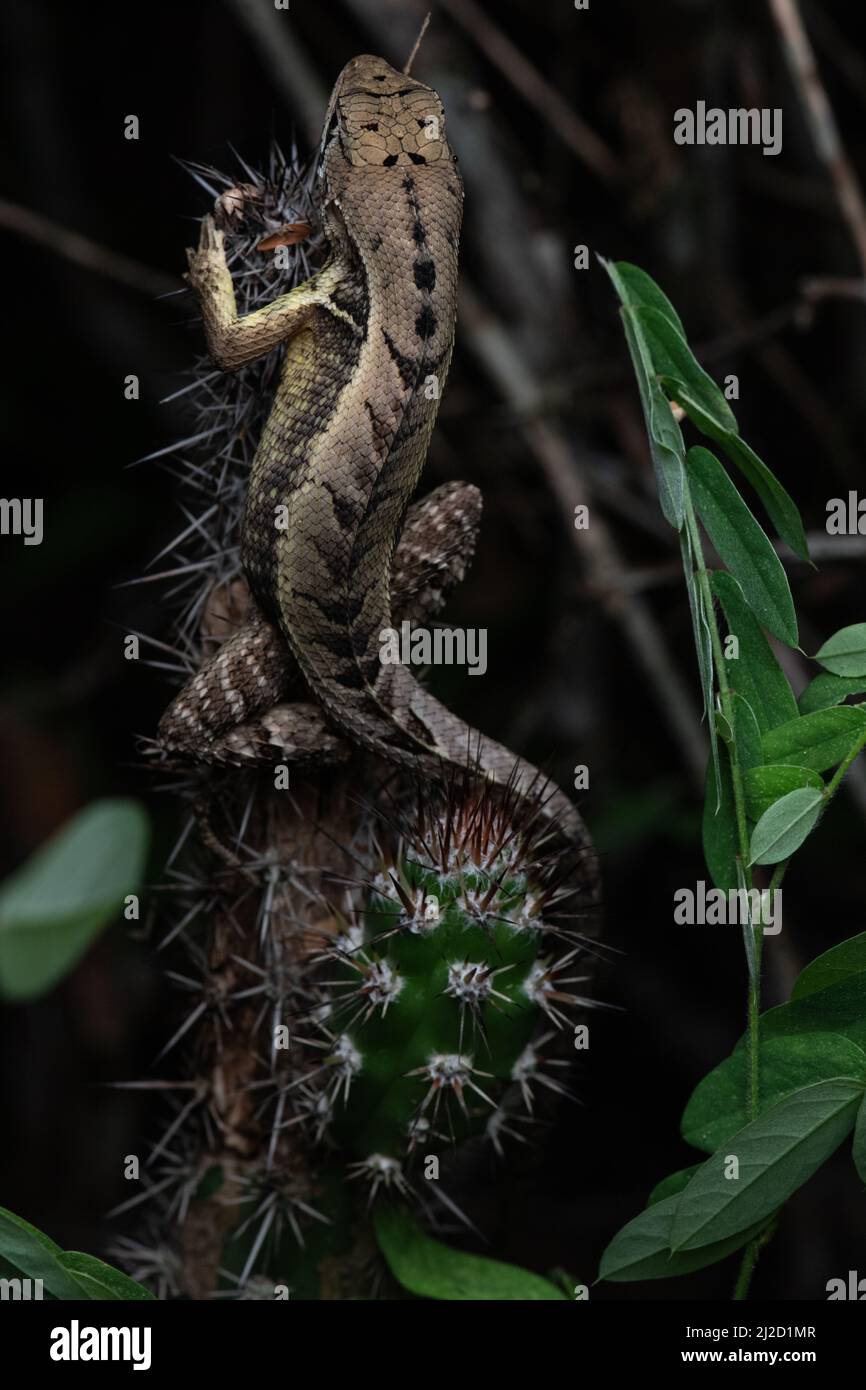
{"type": "Point", "coordinates": [381, 118]}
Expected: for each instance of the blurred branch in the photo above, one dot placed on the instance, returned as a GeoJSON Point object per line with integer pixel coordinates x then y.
{"type": "Point", "coordinates": [72, 246]}
{"type": "Point", "coordinates": [829, 549]}
{"type": "Point", "coordinates": [782, 367]}
{"type": "Point", "coordinates": [849, 62]}
{"type": "Point", "coordinates": [290, 67]}
{"type": "Point", "coordinates": [820, 119]}
{"type": "Point", "coordinates": [534, 88]}
{"type": "Point", "coordinates": [817, 287]}
{"type": "Point", "coordinates": [595, 546]}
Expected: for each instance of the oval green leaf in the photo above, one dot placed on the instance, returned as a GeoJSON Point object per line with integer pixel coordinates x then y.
{"type": "Point", "coordinates": [839, 1008]}
{"type": "Point", "coordinates": [719, 1105]}
{"type": "Point", "coordinates": [101, 1281]}
{"type": "Point", "coordinates": [766, 785]}
{"type": "Point", "coordinates": [833, 966]}
{"type": "Point", "coordinates": [776, 1154]}
{"type": "Point", "coordinates": [72, 887]}
{"type": "Point", "coordinates": [783, 828]}
{"type": "Point", "coordinates": [33, 1255]}
{"type": "Point", "coordinates": [641, 1250]}
{"type": "Point", "coordinates": [819, 740]}
{"type": "Point", "coordinates": [826, 690]}
{"type": "Point", "coordinates": [844, 654]}
{"type": "Point", "coordinates": [430, 1269]}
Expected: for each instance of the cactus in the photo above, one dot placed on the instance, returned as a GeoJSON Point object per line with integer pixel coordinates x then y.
{"type": "Point", "coordinates": [441, 995]}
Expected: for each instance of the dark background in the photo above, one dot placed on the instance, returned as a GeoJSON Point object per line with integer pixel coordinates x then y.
{"type": "Point", "coordinates": [580, 153]}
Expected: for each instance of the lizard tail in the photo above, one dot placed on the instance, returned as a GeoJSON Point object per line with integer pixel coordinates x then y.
{"type": "Point", "coordinates": [426, 738]}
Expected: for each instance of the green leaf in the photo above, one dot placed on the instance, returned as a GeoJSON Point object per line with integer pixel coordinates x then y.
{"type": "Point", "coordinates": [665, 438]}
{"type": "Point", "coordinates": [783, 828]}
{"type": "Point", "coordinates": [679, 369]}
{"type": "Point", "coordinates": [754, 673]}
{"type": "Point", "coordinates": [747, 735]}
{"type": "Point", "coordinates": [833, 966]}
{"type": "Point", "coordinates": [839, 1008]}
{"type": "Point", "coordinates": [819, 740]}
{"type": "Point", "coordinates": [719, 1104]}
{"type": "Point", "coordinates": [720, 841]}
{"type": "Point", "coordinates": [641, 1250]}
{"type": "Point", "coordinates": [766, 785]}
{"type": "Point", "coordinates": [66, 893]}
{"type": "Point", "coordinates": [636, 287]}
{"type": "Point", "coordinates": [430, 1269]}
{"type": "Point", "coordinates": [101, 1281]}
{"type": "Point", "coordinates": [35, 1256]}
{"type": "Point", "coordinates": [672, 1184]}
{"type": "Point", "coordinates": [859, 1149]}
{"type": "Point", "coordinates": [844, 654]}
{"type": "Point", "coordinates": [698, 394]}
{"type": "Point", "coordinates": [826, 690]}
{"type": "Point", "coordinates": [702, 623]}
{"type": "Point", "coordinates": [777, 1153]}
{"type": "Point", "coordinates": [778, 503]}
{"type": "Point", "coordinates": [742, 545]}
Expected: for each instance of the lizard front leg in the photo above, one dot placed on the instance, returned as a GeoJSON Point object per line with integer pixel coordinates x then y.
{"type": "Point", "coordinates": [235, 342]}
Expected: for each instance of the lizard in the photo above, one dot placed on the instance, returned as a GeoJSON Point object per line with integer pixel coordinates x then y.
{"type": "Point", "coordinates": [368, 342]}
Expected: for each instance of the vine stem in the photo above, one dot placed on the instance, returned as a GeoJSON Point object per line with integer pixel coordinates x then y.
{"type": "Point", "coordinates": [747, 1269]}
{"type": "Point", "coordinates": [833, 784]}
{"type": "Point", "coordinates": [753, 1001]}
{"type": "Point", "coordinates": [727, 704]}
{"type": "Point", "coordinates": [750, 1255]}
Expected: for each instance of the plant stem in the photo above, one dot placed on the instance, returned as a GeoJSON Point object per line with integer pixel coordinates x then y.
{"type": "Point", "coordinates": [753, 1001]}
{"type": "Point", "coordinates": [750, 1254]}
{"type": "Point", "coordinates": [725, 695]}
{"type": "Point", "coordinates": [747, 1269]}
{"type": "Point", "coordinates": [833, 784]}
{"type": "Point", "coordinates": [753, 1005]}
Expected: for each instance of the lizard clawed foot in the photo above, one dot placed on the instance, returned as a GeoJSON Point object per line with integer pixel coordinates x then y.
{"type": "Point", "coordinates": [209, 257]}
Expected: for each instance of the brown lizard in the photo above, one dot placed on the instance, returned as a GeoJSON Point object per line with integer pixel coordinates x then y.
{"type": "Point", "coordinates": [368, 344]}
